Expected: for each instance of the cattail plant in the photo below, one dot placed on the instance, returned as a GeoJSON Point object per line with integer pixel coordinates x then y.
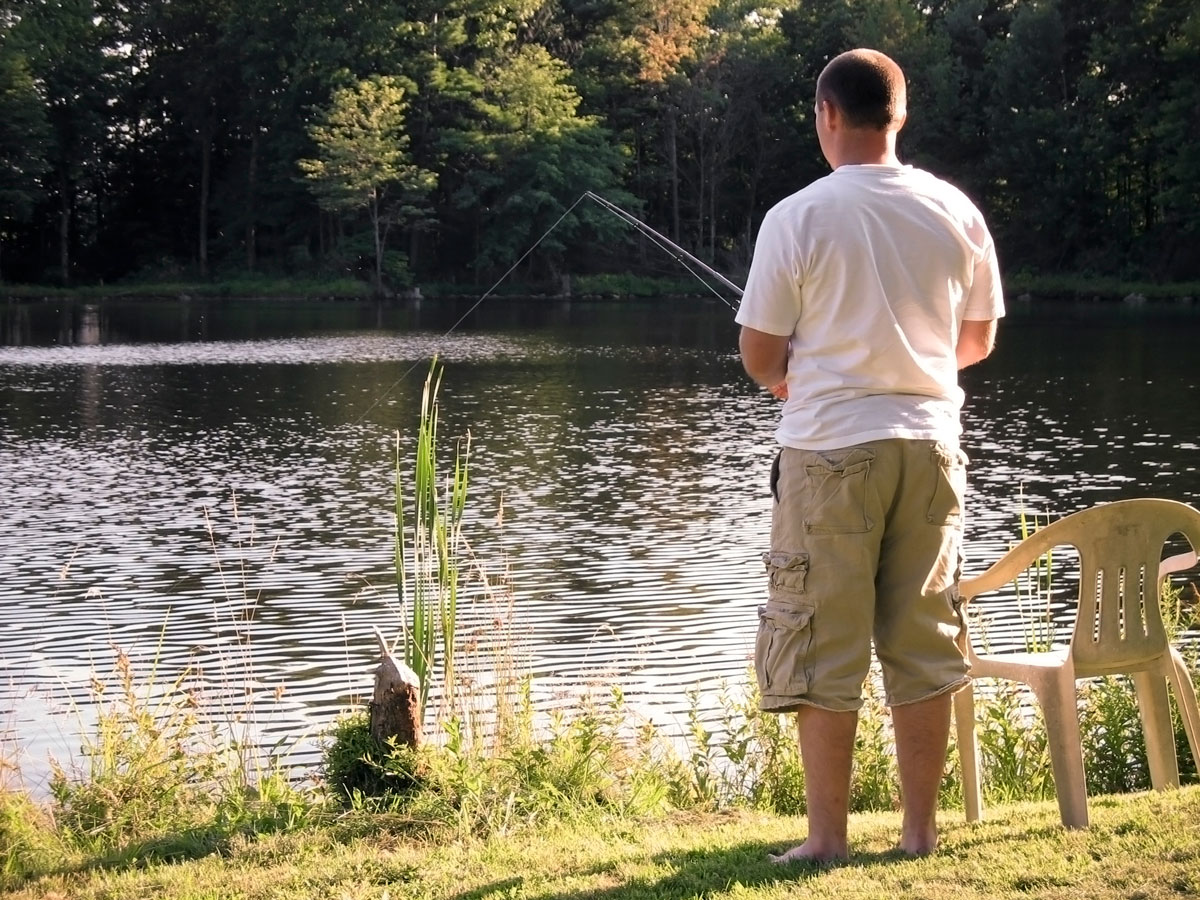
{"type": "Point", "coordinates": [429, 550]}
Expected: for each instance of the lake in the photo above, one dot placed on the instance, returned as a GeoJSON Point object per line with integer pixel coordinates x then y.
{"type": "Point", "coordinates": [207, 486]}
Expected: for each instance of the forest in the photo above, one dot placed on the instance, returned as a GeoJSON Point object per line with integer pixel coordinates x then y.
{"type": "Point", "coordinates": [433, 142]}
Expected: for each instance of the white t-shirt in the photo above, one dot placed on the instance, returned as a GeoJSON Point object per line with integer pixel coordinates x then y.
{"type": "Point", "coordinates": [871, 270]}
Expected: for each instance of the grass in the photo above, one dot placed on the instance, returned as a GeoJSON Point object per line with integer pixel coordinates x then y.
{"type": "Point", "coordinates": [1141, 845]}
{"type": "Point", "coordinates": [594, 804]}
{"type": "Point", "coordinates": [506, 801]}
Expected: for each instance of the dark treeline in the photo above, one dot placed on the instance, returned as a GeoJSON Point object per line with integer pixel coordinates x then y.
{"type": "Point", "coordinates": [436, 140]}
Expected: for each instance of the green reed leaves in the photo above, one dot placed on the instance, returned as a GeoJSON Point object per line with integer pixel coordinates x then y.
{"type": "Point", "coordinates": [428, 550]}
{"type": "Point", "coordinates": [1034, 587]}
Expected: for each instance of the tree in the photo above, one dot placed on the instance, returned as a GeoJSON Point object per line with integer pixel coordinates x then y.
{"type": "Point", "coordinates": [1179, 131]}
{"type": "Point", "coordinates": [24, 143]}
{"type": "Point", "coordinates": [362, 160]}
{"type": "Point", "coordinates": [531, 156]}
{"type": "Point", "coordinates": [64, 44]}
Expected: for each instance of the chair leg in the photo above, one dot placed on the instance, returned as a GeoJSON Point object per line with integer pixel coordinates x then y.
{"type": "Point", "coordinates": [1156, 724]}
{"type": "Point", "coordinates": [1185, 698]}
{"type": "Point", "coordinates": [968, 752]}
{"type": "Point", "coordinates": [1060, 705]}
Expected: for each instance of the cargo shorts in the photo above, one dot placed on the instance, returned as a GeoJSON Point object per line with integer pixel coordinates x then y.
{"type": "Point", "coordinates": [866, 545]}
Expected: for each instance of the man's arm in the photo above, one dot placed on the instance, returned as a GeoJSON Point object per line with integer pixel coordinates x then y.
{"type": "Point", "coordinates": [975, 341]}
{"type": "Point", "coordinates": [764, 356]}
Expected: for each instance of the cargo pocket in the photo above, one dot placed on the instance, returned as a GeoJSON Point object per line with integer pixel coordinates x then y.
{"type": "Point", "coordinates": [781, 649]}
{"type": "Point", "coordinates": [836, 502]}
{"type": "Point", "coordinates": [786, 573]}
{"type": "Point", "coordinates": [950, 485]}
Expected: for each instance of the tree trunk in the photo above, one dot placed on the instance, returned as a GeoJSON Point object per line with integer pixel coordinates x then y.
{"type": "Point", "coordinates": [375, 225]}
{"type": "Point", "coordinates": [395, 708]}
{"type": "Point", "coordinates": [205, 176]}
{"type": "Point", "coordinates": [251, 207]}
{"type": "Point", "coordinates": [673, 163]}
{"type": "Point", "coordinates": [712, 218]}
{"type": "Point", "coordinates": [64, 229]}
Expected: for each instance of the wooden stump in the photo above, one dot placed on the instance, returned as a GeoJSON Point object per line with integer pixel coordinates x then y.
{"type": "Point", "coordinates": [395, 709]}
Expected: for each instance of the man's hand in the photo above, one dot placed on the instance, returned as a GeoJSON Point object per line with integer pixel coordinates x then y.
{"type": "Point", "coordinates": [764, 356]}
{"type": "Point", "coordinates": [779, 390]}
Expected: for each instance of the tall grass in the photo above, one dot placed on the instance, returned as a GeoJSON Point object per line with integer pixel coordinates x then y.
{"type": "Point", "coordinates": [429, 552]}
{"type": "Point", "coordinates": [164, 769]}
{"type": "Point", "coordinates": [1034, 593]}
{"type": "Point", "coordinates": [159, 780]}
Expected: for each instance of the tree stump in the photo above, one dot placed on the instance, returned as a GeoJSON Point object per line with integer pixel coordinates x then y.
{"type": "Point", "coordinates": [395, 709]}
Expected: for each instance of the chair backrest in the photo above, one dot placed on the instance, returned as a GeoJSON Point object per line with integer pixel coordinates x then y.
{"type": "Point", "coordinates": [1119, 624]}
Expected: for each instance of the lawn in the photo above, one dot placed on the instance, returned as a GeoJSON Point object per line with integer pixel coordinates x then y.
{"type": "Point", "coordinates": [1143, 845]}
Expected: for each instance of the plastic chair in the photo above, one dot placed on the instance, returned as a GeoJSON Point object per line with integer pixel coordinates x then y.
{"type": "Point", "coordinates": [1118, 630]}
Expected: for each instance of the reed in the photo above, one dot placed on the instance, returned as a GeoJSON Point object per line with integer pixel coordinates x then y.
{"type": "Point", "coordinates": [160, 782]}
{"type": "Point", "coordinates": [1034, 589]}
{"type": "Point", "coordinates": [429, 551]}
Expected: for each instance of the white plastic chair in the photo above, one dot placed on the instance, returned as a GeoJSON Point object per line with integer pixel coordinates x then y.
{"type": "Point", "coordinates": [1118, 630]}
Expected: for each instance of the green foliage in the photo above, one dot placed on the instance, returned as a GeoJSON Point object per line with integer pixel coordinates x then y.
{"type": "Point", "coordinates": [1013, 747]}
{"type": "Point", "coordinates": [362, 158]}
{"type": "Point", "coordinates": [176, 130]}
{"type": "Point", "coordinates": [361, 144]}
{"type": "Point", "coordinates": [875, 781]}
{"type": "Point", "coordinates": [428, 550]}
{"type": "Point", "coordinates": [576, 768]}
{"type": "Point", "coordinates": [24, 140]}
{"type": "Point", "coordinates": [531, 156]}
{"type": "Point", "coordinates": [1114, 755]}
{"type": "Point", "coordinates": [27, 840]}
{"type": "Point", "coordinates": [157, 794]}
{"type": "Point", "coordinates": [632, 286]}
{"type": "Point", "coordinates": [358, 767]}
{"type": "Point", "coordinates": [158, 782]}
{"type": "Point", "coordinates": [144, 774]}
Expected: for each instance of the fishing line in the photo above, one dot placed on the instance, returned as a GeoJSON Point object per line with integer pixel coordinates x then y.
{"type": "Point", "coordinates": [672, 249]}
{"type": "Point", "coordinates": [474, 306]}
{"type": "Point", "coordinates": [677, 253]}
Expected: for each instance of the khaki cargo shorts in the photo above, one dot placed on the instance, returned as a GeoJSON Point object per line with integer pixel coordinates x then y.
{"type": "Point", "coordinates": [866, 544]}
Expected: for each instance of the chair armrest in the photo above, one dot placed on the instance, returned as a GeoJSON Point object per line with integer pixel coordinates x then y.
{"type": "Point", "coordinates": [1176, 564]}
{"type": "Point", "coordinates": [1010, 565]}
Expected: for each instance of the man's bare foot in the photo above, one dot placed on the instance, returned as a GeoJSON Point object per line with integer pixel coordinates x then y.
{"type": "Point", "coordinates": [918, 844]}
{"type": "Point", "coordinates": [813, 852]}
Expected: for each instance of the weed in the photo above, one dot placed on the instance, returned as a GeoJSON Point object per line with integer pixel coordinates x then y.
{"type": "Point", "coordinates": [1034, 587]}
{"type": "Point", "coordinates": [1114, 755]}
{"type": "Point", "coordinates": [874, 783]}
{"type": "Point", "coordinates": [1013, 746]}
{"type": "Point", "coordinates": [427, 566]}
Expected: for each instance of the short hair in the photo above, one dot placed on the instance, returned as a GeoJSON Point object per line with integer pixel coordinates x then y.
{"type": "Point", "coordinates": [867, 87]}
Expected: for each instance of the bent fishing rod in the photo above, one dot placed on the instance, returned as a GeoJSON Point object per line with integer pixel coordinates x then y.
{"type": "Point", "coordinates": [688, 260]}
{"type": "Point", "coordinates": [674, 250]}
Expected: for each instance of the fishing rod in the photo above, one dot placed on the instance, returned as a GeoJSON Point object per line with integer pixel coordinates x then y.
{"type": "Point", "coordinates": [674, 250]}
{"type": "Point", "coordinates": [683, 257]}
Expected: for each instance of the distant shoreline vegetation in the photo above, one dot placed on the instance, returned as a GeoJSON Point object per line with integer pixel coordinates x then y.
{"type": "Point", "coordinates": [1018, 288]}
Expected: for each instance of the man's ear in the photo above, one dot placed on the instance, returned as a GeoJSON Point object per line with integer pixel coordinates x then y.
{"type": "Point", "coordinates": [833, 115]}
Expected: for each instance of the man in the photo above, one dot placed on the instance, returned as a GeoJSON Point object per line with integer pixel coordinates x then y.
{"type": "Point", "coordinates": [869, 289]}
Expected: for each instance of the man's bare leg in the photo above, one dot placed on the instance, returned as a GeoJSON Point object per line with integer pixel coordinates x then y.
{"type": "Point", "coordinates": [827, 751]}
{"type": "Point", "coordinates": [922, 733]}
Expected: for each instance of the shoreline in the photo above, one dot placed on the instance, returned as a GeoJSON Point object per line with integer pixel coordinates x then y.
{"type": "Point", "coordinates": [1020, 289]}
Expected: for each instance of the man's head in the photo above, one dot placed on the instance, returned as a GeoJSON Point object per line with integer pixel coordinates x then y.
{"type": "Point", "coordinates": [867, 88]}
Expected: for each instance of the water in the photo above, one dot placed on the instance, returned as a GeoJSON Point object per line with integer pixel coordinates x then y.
{"type": "Point", "coordinates": [208, 487]}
